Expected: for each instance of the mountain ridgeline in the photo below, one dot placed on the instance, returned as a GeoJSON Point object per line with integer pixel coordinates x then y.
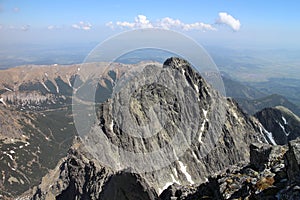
{"type": "Point", "coordinates": [160, 132]}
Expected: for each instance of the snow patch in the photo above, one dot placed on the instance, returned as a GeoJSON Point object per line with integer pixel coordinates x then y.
{"type": "Point", "coordinates": [236, 116]}
{"type": "Point", "coordinates": [195, 156]}
{"type": "Point", "coordinates": [69, 82]}
{"type": "Point", "coordinates": [175, 172]}
{"type": "Point", "coordinates": [269, 135]}
{"type": "Point", "coordinates": [284, 120]}
{"type": "Point", "coordinates": [2, 101]}
{"type": "Point", "coordinates": [203, 125]}
{"type": "Point", "coordinates": [205, 113]}
{"type": "Point", "coordinates": [201, 131]}
{"type": "Point", "coordinates": [10, 156]}
{"type": "Point", "coordinates": [160, 190]}
{"type": "Point", "coordinates": [283, 129]}
{"type": "Point", "coordinates": [45, 86]}
{"type": "Point", "coordinates": [111, 125]}
{"type": "Point", "coordinates": [57, 88]}
{"type": "Point", "coordinates": [7, 89]}
{"type": "Point", "coordinates": [196, 88]}
{"type": "Point", "coordinates": [187, 175]}
{"type": "Point", "coordinates": [11, 167]}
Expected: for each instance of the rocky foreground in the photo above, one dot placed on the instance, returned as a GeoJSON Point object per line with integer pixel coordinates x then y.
{"type": "Point", "coordinates": [272, 173]}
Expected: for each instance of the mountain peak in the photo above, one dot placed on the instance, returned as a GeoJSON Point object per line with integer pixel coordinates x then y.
{"type": "Point", "coordinates": [176, 63]}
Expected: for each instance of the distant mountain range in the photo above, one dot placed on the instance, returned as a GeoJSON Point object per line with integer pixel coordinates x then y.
{"type": "Point", "coordinates": [252, 100]}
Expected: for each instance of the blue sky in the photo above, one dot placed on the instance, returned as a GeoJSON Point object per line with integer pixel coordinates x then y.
{"type": "Point", "coordinates": [274, 24]}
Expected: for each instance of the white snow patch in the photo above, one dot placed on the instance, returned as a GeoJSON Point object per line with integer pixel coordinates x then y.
{"type": "Point", "coordinates": [11, 167]}
{"type": "Point", "coordinates": [21, 146]}
{"type": "Point", "coordinates": [182, 71]}
{"type": "Point", "coordinates": [187, 175]}
{"type": "Point", "coordinates": [269, 135]}
{"type": "Point", "coordinates": [196, 88]}
{"type": "Point", "coordinates": [284, 120]}
{"type": "Point", "coordinates": [27, 144]}
{"type": "Point", "coordinates": [45, 86]}
{"type": "Point", "coordinates": [78, 69]}
{"type": "Point", "coordinates": [10, 156]}
{"type": "Point", "coordinates": [195, 156]}
{"type": "Point", "coordinates": [201, 131]}
{"type": "Point", "coordinates": [283, 129]}
{"type": "Point", "coordinates": [175, 172]}
{"type": "Point", "coordinates": [111, 125]}
{"type": "Point", "coordinates": [205, 113]}
{"type": "Point", "coordinates": [69, 82]}
{"type": "Point", "coordinates": [46, 74]}
{"type": "Point", "coordinates": [203, 125]}
{"type": "Point", "coordinates": [7, 89]}
{"type": "Point", "coordinates": [160, 190]}
{"type": "Point", "coordinates": [57, 88]}
{"type": "Point", "coordinates": [2, 101]}
{"type": "Point", "coordinates": [236, 116]}
{"type": "Point", "coordinates": [12, 151]}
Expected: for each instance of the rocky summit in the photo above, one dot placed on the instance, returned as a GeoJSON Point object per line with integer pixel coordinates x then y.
{"type": "Point", "coordinates": [194, 134]}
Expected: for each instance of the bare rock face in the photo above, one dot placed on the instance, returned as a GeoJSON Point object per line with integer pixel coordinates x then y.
{"type": "Point", "coordinates": [210, 131]}
{"type": "Point", "coordinates": [79, 176]}
{"type": "Point", "coordinates": [278, 179]}
{"type": "Point", "coordinates": [164, 126]}
{"type": "Point", "coordinates": [282, 124]}
{"type": "Point", "coordinates": [293, 161]}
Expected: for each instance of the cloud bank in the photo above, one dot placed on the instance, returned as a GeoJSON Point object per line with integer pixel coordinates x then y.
{"type": "Point", "coordinates": [141, 21]}
{"type": "Point", "coordinates": [82, 26]}
{"type": "Point", "coordinates": [225, 18]}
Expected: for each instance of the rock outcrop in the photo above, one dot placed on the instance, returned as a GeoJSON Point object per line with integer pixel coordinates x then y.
{"type": "Point", "coordinates": [278, 179]}
{"type": "Point", "coordinates": [281, 123]}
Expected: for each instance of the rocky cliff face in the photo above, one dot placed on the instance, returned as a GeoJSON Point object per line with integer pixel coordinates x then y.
{"type": "Point", "coordinates": [282, 124]}
{"type": "Point", "coordinates": [272, 173]}
{"type": "Point", "coordinates": [198, 133]}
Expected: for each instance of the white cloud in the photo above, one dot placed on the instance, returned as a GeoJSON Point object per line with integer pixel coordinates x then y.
{"type": "Point", "coordinates": [82, 26]}
{"type": "Point", "coordinates": [110, 25]}
{"type": "Point", "coordinates": [168, 23]}
{"type": "Point", "coordinates": [141, 21]}
{"type": "Point", "coordinates": [225, 18]}
{"type": "Point", "coordinates": [126, 24]}
{"type": "Point", "coordinates": [25, 27]}
{"type": "Point", "coordinates": [1, 26]}
{"type": "Point", "coordinates": [53, 27]}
